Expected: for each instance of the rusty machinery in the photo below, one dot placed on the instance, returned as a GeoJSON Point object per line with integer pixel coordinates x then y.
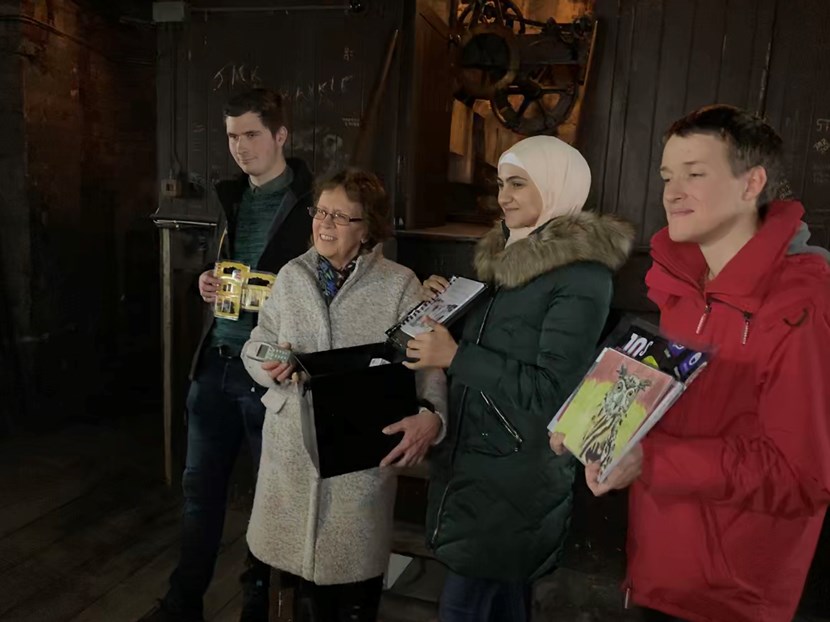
{"type": "Point", "coordinates": [530, 71]}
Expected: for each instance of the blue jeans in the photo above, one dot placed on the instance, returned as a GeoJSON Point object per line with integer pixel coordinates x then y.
{"type": "Point", "coordinates": [223, 407]}
{"type": "Point", "coordinates": [466, 599]}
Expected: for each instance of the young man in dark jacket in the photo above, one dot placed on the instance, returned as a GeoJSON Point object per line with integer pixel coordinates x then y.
{"type": "Point", "coordinates": [264, 223]}
{"type": "Point", "coordinates": [729, 491]}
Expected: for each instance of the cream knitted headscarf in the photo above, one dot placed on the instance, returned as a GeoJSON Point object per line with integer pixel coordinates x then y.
{"type": "Point", "coordinates": [559, 172]}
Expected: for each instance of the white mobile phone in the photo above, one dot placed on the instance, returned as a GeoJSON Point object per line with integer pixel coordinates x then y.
{"type": "Point", "coordinates": [266, 352]}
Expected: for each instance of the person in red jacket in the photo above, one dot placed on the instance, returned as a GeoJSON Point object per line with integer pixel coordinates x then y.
{"type": "Point", "coordinates": [728, 492]}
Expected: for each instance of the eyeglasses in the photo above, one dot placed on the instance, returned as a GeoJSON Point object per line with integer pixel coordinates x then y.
{"type": "Point", "coordinates": [338, 218]}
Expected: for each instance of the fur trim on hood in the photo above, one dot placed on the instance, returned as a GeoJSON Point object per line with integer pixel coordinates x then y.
{"type": "Point", "coordinates": [586, 236]}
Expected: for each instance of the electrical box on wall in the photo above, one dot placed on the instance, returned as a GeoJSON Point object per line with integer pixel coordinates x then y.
{"type": "Point", "coordinates": [170, 11]}
{"type": "Point", "coordinates": [171, 188]}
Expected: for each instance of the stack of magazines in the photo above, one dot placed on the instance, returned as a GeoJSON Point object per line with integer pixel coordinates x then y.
{"type": "Point", "coordinates": [636, 378]}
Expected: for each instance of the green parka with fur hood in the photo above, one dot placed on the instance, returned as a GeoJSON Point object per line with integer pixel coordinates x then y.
{"type": "Point", "coordinates": [500, 499]}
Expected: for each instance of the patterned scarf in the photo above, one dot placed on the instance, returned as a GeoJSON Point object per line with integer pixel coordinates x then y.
{"type": "Point", "coordinates": [330, 279]}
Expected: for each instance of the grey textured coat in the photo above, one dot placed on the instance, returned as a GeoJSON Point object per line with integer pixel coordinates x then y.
{"type": "Point", "coordinates": [336, 530]}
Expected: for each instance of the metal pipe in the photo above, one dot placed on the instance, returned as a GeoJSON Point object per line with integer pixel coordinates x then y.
{"type": "Point", "coordinates": [365, 137]}
{"type": "Point", "coordinates": [761, 106]}
{"type": "Point", "coordinates": [453, 17]}
{"type": "Point", "coordinates": [262, 9]}
{"type": "Point", "coordinates": [172, 223]}
{"type": "Point", "coordinates": [25, 19]}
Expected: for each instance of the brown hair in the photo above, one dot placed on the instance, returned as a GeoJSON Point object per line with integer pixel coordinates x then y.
{"type": "Point", "coordinates": [265, 103]}
{"type": "Point", "coordinates": [750, 142]}
{"type": "Point", "coordinates": [365, 188]}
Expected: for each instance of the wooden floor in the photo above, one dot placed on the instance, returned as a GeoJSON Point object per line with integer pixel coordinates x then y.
{"type": "Point", "coordinates": [89, 534]}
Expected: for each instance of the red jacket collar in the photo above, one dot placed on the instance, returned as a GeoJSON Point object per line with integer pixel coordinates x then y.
{"type": "Point", "coordinates": [745, 281]}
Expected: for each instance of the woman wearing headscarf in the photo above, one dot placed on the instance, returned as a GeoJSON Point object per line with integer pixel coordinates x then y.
{"type": "Point", "coordinates": [499, 499]}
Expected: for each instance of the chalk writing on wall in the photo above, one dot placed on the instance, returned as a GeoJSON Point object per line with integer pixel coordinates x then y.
{"type": "Point", "coordinates": [324, 91]}
{"type": "Point", "coordinates": [326, 145]}
{"type": "Point", "coordinates": [823, 125]}
{"type": "Point", "coordinates": [231, 74]}
{"type": "Point", "coordinates": [820, 174]}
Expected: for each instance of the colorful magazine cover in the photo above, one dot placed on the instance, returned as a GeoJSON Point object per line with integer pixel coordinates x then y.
{"type": "Point", "coordinates": [642, 341]}
{"type": "Point", "coordinates": [612, 402]}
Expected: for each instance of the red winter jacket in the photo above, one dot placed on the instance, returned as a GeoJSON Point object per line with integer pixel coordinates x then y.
{"type": "Point", "coordinates": [723, 521]}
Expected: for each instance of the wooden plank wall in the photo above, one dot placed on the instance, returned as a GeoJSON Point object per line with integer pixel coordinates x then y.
{"type": "Point", "coordinates": [324, 62]}
{"type": "Point", "coordinates": [797, 103]}
{"type": "Point", "coordinates": [660, 59]}
{"type": "Point", "coordinates": [426, 106]}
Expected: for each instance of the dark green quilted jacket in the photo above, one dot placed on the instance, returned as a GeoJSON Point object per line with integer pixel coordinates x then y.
{"type": "Point", "coordinates": [499, 499]}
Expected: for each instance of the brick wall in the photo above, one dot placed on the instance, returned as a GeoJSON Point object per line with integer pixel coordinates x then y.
{"type": "Point", "coordinates": [78, 247]}
{"type": "Point", "coordinates": [14, 221]}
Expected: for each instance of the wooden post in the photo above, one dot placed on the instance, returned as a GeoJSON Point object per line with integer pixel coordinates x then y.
{"type": "Point", "coordinates": [167, 351]}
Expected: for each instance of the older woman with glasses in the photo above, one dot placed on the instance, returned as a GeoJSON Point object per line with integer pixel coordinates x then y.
{"type": "Point", "coordinates": [334, 534]}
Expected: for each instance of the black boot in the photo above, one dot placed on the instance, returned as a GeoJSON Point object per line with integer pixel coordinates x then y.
{"type": "Point", "coordinates": [351, 602]}
{"type": "Point", "coordinates": [306, 607]}
{"type": "Point", "coordinates": [256, 581]}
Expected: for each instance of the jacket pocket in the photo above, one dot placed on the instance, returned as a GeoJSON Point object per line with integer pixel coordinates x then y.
{"type": "Point", "coordinates": [700, 575]}
{"type": "Point", "coordinates": [498, 435]}
{"type": "Point", "coordinates": [274, 400]}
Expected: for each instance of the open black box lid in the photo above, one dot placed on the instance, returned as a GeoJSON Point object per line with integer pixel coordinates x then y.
{"type": "Point", "coordinates": [347, 404]}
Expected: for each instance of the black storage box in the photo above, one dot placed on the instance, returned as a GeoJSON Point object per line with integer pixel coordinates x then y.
{"type": "Point", "coordinates": [348, 403]}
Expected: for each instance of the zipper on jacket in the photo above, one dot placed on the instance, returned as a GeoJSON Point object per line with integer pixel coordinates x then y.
{"type": "Point", "coordinates": [627, 600]}
{"type": "Point", "coordinates": [504, 422]}
{"type": "Point", "coordinates": [746, 315]}
{"type": "Point", "coordinates": [708, 310]}
{"type": "Point", "coordinates": [747, 320]}
{"type": "Point", "coordinates": [703, 318]}
{"type": "Point", "coordinates": [434, 537]}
